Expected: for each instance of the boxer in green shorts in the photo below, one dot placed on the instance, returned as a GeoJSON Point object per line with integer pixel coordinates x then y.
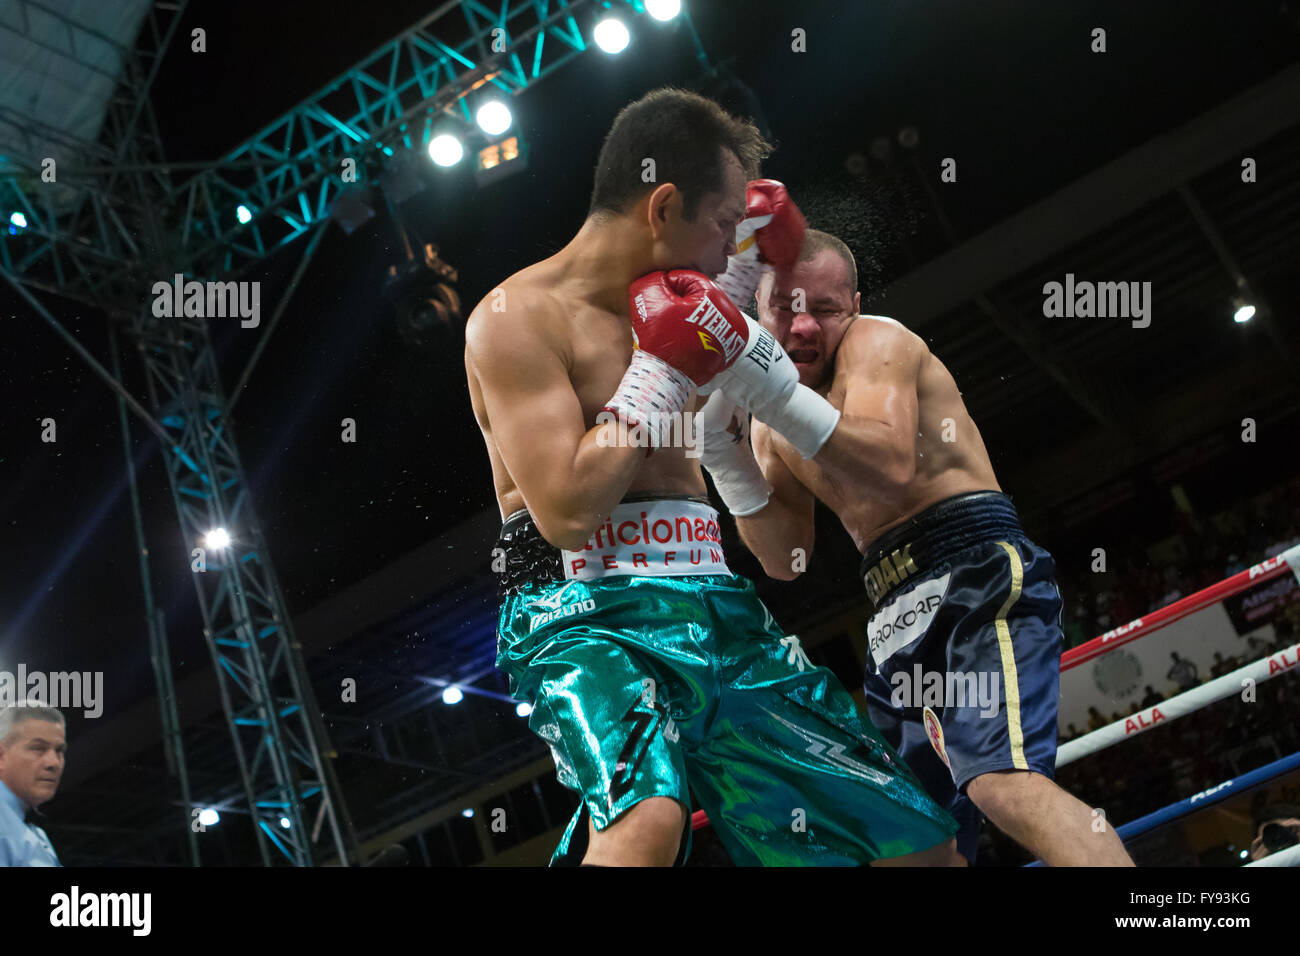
{"type": "Point", "coordinates": [652, 670]}
{"type": "Point", "coordinates": [644, 683]}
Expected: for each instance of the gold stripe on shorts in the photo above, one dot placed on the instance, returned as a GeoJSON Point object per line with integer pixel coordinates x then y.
{"type": "Point", "coordinates": [1009, 679]}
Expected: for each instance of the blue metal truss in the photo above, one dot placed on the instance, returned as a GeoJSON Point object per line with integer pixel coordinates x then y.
{"type": "Point", "coordinates": [111, 228]}
{"type": "Point", "coordinates": [288, 173]}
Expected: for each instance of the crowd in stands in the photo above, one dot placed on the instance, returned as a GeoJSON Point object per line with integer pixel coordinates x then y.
{"type": "Point", "coordinates": [1206, 552]}
{"type": "Point", "coordinates": [1243, 535]}
{"type": "Point", "coordinates": [1218, 742]}
{"type": "Point", "coordinates": [1175, 760]}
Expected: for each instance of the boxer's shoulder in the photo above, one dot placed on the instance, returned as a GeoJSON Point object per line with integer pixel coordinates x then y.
{"type": "Point", "coordinates": [519, 309]}
{"type": "Point", "coordinates": [872, 339]}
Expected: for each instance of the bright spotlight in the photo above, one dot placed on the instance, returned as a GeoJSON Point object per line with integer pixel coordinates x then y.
{"type": "Point", "coordinates": [524, 709]}
{"type": "Point", "coordinates": [663, 9]}
{"type": "Point", "coordinates": [1244, 854]}
{"type": "Point", "coordinates": [610, 35]}
{"type": "Point", "coordinates": [18, 220]}
{"type": "Point", "coordinates": [467, 812]}
{"type": "Point", "coordinates": [493, 117]}
{"type": "Point", "coordinates": [1245, 312]}
{"type": "Point", "coordinates": [209, 817]}
{"type": "Point", "coordinates": [243, 214]}
{"type": "Point", "coordinates": [446, 150]}
{"type": "Point", "coordinates": [452, 695]}
{"type": "Point", "coordinates": [216, 539]}
{"type": "Point", "coordinates": [284, 822]}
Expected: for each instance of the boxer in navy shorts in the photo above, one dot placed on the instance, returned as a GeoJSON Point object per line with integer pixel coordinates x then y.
{"type": "Point", "coordinates": [965, 637]}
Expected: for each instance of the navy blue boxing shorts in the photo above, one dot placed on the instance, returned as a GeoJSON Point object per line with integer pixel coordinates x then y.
{"type": "Point", "coordinates": [964, 648]}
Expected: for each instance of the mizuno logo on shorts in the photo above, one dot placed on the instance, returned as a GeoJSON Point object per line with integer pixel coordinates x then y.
{"type": "Point", "coordinates": [540, 620]}
{"type": "Point", "coordinates": [554, 610]}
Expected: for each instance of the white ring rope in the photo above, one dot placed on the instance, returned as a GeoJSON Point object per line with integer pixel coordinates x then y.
{"type": "Point", "coordinates": [1288, 857]}
{"type": "Point", "coordinates": [1179, 705]}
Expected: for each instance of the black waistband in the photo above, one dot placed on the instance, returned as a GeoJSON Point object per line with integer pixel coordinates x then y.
{"type": "Point", "coordinates": [532, 560]}
{"type": "Point", "coordinates": [937, 534]}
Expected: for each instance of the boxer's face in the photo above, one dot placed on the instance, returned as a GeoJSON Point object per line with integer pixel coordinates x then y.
{"type": "Point", "coordinates": [705, 243]}
{"type": "Point", "coordinates": [808, 308]}
{"type": "Point", "coordinates": [31, 762]}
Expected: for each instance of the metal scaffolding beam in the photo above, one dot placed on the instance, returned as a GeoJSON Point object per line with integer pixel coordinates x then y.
{"type": "Point", "coordinates": [103, 232]}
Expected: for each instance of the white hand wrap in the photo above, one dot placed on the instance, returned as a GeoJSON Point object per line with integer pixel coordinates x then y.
{"type": "Point", "coordinates": [740, 281]}
{"type": "Point", "coordinates": [723, 427]}
{"type": "Point", "coordinates": [765, 381]}
{"type": "Point", "coordinates": [652, 395]}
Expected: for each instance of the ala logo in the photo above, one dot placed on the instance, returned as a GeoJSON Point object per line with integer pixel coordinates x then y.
{"type": "Point", "coordinates": [553, 609]}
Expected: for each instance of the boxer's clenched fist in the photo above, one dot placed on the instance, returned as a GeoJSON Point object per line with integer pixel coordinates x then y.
{"type": "Point", "coordinates": [774, 220]}
{"type": "Point", "coordinates": [685, 332]}
{"type": "Point", "coordinates": [686, 320]}
{"type": "Point", "coordinates": [771, 233]}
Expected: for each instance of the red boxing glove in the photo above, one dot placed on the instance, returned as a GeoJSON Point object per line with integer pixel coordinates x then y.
{"type": "Point", "coordinates": [770, 234]}
{"type": "Point", "coordinates": [686, 320]}
{"type": "Point", "coordinates": [781, 237]}
{"type": "Point", "coordinates": [685, 332]}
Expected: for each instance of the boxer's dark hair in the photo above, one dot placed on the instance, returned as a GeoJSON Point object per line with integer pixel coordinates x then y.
{"type": "Point", "coordinates": [684, 134]}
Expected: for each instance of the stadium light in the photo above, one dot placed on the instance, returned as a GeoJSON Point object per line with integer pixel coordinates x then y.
{"type": "Point", "coordinates": [663, 10]}
{"type": "Point", "coordinates": [446, 150]}
{"type": "Point", "coordinates": [493, 117]}
{"type": "Point", "coordinates": [611, 35]}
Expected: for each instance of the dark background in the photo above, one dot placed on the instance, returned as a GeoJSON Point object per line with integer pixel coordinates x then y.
{"type": "Point", "coordinates": [1011, 89]}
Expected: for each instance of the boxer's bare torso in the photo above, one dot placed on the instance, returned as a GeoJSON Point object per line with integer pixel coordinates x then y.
{"type": "Point", "coordinates": [944, 468]}
{"type": "Point", "coordinates": [562, 313]}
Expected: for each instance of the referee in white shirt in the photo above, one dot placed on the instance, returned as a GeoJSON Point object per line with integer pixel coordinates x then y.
{"type": "Point", "coordinates": [32, 750]}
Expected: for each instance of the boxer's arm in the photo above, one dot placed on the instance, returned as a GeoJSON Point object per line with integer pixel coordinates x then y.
{"type": "Point", "coordinates": [569, 481]}
{"type": "Point", "coordinates": [874, 442]}
{"type": "Point", "coordinates": [786, 524]}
